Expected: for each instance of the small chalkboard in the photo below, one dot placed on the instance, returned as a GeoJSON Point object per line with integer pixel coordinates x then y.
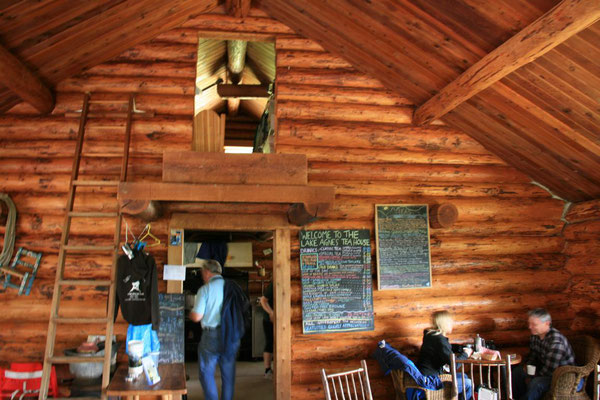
{"type": "Point", "coordinates": [402, 237]}
{"type": "Point", "coordinates": [337, 290]}
{"type": "Point", "coordinates": [171, 334]}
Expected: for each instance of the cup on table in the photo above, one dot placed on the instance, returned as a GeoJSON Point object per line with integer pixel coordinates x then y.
{"type": "Point", "coordinates": [530, 370]}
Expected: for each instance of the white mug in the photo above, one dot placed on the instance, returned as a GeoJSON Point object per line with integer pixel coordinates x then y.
{"type": "Point", "coordinates": [531, 370]}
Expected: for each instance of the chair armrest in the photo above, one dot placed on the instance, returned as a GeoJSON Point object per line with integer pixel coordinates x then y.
{"type": "Point", "coordinates": [566, 378]}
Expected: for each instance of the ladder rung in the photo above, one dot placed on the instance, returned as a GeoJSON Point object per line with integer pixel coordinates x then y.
{"type": "Point", "coordinates": [95, 183]}
{"type": "Point", "coordinates": [92, 214]}
{"type": "Point", "coordinates": [69, 247]}
{"type": "Point", "coordinates": [11, 271]}
{"type": "Point", "coordinates": [63, 320]}
{"type": "Point", "coordinates": [75, 359]}
{"type": "Point", "coordinates": [85, 282]}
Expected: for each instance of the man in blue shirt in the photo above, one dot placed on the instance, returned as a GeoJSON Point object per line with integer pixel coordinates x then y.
{"type": "Point", "coordinates": [211, 350]}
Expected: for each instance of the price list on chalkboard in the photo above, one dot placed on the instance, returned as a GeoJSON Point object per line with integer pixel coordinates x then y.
{"type": "Point", "coordinates": [171, 334]}
{"type": "Point", "coordinates": [337, 291]}
{"type": "Point", "coordinates": [402, 237]}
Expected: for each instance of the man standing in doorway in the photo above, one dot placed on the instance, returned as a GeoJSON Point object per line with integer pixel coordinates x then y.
{"type": "Point", "coordinates": [212, 348]}
{"type": "Point", "coordinates": [548, 350]}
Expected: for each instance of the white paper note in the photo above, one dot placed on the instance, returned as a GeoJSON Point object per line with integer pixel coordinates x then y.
{"type": "Point", "coordinates": [174, 272]}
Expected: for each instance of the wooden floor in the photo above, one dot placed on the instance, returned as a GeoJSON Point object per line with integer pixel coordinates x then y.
{"type": "Point", "coordinates": [250, 383]}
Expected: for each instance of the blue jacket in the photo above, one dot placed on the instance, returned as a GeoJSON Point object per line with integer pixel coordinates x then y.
{"type": "Point", "coordinates": [235, 309]}
{"type": "Point", "coordinates": [390, 358]}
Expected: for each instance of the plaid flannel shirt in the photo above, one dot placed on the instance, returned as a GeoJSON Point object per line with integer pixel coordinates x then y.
{"type": "Point", "coordinates": [552, 352]}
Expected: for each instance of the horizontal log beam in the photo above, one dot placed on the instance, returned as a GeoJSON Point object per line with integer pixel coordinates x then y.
{"type": "Point", "coordinates": [310, 195]}
{"type": "Point", "coordinates": [226, 90]}
{"type": "Point", "coordinates": [23, 82]}
{"type": "Point", "coordinates": [269, 169]}
{"type": "Point", "coordinates": [560, 23]}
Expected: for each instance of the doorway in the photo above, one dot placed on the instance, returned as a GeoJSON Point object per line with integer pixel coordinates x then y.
{"type": "Point", "coordinates": [277, 227]}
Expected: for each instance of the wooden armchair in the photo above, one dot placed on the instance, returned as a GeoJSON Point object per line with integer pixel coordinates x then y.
{"type": "Point", "coordinates": [566, 379]}
{"type": "Point", "coordinates": [347, 385]}
{"type": "Point", "coordinates": [403, 381]}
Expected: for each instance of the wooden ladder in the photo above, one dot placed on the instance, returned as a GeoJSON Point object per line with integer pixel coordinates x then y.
{"type": "Point", "coordinates": [50, 357]}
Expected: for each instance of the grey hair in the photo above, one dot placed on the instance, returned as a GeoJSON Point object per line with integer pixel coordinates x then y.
{"type": "Point", "coordinates": [212, 266]}
{"type": "Point", "coordinates": [541, 313]}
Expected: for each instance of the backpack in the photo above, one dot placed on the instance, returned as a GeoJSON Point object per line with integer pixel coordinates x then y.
{"type": "Point", "coordinates": [236, 315]}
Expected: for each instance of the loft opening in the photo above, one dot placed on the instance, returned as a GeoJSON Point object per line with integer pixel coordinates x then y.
{"type": "Point", "coordinates": [234, 102]}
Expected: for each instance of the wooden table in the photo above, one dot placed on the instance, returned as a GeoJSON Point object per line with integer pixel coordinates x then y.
{"type": "Point", "coordinates": [489, 365]}
{"type": "Point", "coordinates": [172, 383]}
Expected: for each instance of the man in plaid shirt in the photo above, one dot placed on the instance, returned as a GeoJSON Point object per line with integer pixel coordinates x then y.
{"type": "Point", "coordinates": [549, 349]}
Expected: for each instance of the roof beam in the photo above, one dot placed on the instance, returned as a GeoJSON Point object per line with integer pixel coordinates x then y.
{"type": "Point", "coordinates": [560, 23]}
{"type": "Point", "coordinates": [24, 83]}
{"type": "Point", "coordinates": [238, 8]}
{"type": "Point", "coordinates": [243, 91]}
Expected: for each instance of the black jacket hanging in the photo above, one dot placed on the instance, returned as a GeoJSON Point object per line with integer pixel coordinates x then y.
{"type": "Point", "coordinates": [137, 289]}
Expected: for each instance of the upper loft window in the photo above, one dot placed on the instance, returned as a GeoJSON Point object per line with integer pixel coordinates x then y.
{"type": "Point", "coordinates": [233, 102]}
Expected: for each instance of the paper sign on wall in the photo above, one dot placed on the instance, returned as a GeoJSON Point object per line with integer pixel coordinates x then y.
{"type": "Point", "coordinates": [174, 272]}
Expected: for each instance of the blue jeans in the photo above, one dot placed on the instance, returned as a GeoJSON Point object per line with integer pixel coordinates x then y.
{"type": "Point", "coordinates": [468, 386]}
{"type": "Point", "coordinates": [534, 390]}
{"type": "Point", "coordinates": [211, 353]}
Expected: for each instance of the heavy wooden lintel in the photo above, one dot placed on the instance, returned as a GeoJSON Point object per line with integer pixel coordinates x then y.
{"type": "Point", "coordinates": [242, 91]}
{"type": "Point", "coordinates": [255, 168]}
{"type": "Point", "coordinates": [215, 193]}
{"type": "Point", "coordinates": [24, 83]}
{"type": "Point", "coordinates": [560, 23]}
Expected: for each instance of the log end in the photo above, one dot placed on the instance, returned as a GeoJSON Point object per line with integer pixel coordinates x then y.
{"type": "Point", "coordinates": [147, 210]}
{"type": "Point", "coordinates": [442, 215]}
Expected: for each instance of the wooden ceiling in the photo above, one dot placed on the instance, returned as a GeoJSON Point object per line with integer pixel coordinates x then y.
{"type": "Point", "coordinates": [542, 117]}
{"type": "Point", "coordinates": [59, 38]}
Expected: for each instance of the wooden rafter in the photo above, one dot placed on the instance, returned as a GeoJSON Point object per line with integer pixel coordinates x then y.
{"type": "Point", "coordinates": [24, 83]}
{"type": "Point", "coordinates": [238, 8]}
{"type": "Point", "coordinates": [565, 20]}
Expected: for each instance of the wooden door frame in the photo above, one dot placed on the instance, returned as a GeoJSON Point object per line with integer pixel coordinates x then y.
{"type": "Point", "coordinates": [279, 225]}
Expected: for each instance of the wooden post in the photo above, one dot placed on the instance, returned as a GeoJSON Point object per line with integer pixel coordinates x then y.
{"type": "Point", "coordinates": [283, 312]}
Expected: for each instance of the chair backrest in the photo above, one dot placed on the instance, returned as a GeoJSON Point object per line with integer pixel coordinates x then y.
{"type": "Point", "coordinates": [597, 383]}
{"type": "Point", "coordinates": [481, 374]}
{"type": "Point", "coordinates": [23, 380]}
{"type": "Point", "coordinates": [586, 349]}
{"type": "Point", "coordinates": [347, 385]}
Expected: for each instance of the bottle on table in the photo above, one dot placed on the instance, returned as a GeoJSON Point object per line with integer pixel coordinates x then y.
{"type": "Point", "coordinates": [477, 343]}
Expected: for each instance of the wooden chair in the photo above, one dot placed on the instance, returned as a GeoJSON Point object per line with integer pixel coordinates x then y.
{"type": "Point", "coordinates": [403, 381]}
{"type": "Point", "coordinates": [489, 374]}
{"type": "Point", "coordinates": [597, 383]}
{"type": "Point", "coordinates": [566, 379]}
{"type": "Point", "coordinates": [348, 385]}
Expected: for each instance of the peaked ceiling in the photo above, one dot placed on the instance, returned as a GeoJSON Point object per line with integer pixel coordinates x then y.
{"type": "Point", "coordinates": [543, 118]}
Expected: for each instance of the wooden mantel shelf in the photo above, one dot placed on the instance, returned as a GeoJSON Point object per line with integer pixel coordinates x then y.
{"type": "Point", "coordinates": [190, 176]}
{"type": "Point", "coordinates": [230, 193]}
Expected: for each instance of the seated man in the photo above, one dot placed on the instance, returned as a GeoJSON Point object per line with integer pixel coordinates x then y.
{"type": "Point", "coordinates": [549, 349]}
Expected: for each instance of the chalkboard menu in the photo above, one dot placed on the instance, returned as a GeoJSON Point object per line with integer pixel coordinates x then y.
{"type": "Point", "coordinates": [402, 237]}
{"type": "Point", "coordinates": [171, 334]}
{"type": "Point", "coordinates": [337, 290]}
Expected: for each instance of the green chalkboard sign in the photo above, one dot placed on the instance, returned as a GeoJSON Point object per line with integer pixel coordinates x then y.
{"type": "Point", "coordinates": [402, 239]}
{"type": "Point", "coordinates": [337, 289]}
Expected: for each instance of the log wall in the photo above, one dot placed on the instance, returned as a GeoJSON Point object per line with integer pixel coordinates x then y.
{"type": "Point", "coordinates": [582, 235]}
{"type": "Point", "coordinates": [502, 257]}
